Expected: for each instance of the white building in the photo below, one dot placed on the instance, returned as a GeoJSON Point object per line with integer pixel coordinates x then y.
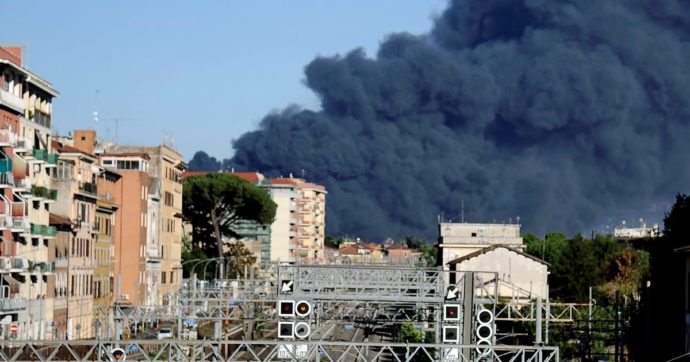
{"type": "Point", "coordinates": [460, 239]}
{"type": "Point", "coordinates": [520, 275]}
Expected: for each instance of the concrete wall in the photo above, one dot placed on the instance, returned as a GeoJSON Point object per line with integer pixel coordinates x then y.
{"type": "Point", "coordinates": [280, 229]}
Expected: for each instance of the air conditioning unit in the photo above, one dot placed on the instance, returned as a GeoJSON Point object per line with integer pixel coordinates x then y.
{"type": "Point", "coordinates": [20, 263]}
{"type": "Point", "coordinates": [5, 263]}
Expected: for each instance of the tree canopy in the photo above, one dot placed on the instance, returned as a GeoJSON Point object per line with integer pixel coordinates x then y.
{"type": "Point", "coordinates": [215, 203]}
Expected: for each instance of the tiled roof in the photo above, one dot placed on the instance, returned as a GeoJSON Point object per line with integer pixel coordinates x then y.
{"type": "Point", "coordinates": [55, 219]}
{"type": "Point", "coordinates": [127, 154]}
{"type": "Point", "coordinates": [59, 147]}
{"type": "Point", "coordinates": [492, 248]}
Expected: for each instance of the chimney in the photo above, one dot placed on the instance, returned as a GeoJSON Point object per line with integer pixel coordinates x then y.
{"type": "Point", "coordinates": [11, 53]}
{"type": "Point", "coordinates": [85, 140]}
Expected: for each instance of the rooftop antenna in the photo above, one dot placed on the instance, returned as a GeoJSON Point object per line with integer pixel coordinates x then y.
{"type": "Point", "coordinates": [95, 111]}
{"type": "Point", "coordinates": [117, 125]}
{"type": "Point", "coordinates": [462, 211]}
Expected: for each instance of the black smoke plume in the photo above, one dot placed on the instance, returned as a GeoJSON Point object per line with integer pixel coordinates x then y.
{"type": "Point", "coordinates": [561, 112]}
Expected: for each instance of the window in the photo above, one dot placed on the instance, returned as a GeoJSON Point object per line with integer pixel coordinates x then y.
{"type": "Point", "coordinates": [162, 277]}
{"type": "Point", "coordinates": [168, 198]}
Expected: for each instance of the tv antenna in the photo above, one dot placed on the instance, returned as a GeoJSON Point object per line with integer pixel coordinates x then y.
{"type": "Point", "coordinates": [117, 125]}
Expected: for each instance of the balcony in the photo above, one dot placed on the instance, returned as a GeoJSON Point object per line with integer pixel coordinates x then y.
{"type": "Point", "coordinates": [49, 231]}
{"type": "Point", "coordinates": [7, 137]}
{"type": "Point", "coordinates": [23, 183]}
{"type": "Point", "coordinates": [41, 118]}
{"type": "Point", "coordinates": [6, 178]}
{"type": "Point", "coordinates": [13, 264]}
{"type": "Point", "coordinates": [12, 101]}
{"type": "Point", "coordinates": [52, 195]}
{"type": "Point", "coordinates": [52, 158]}
{"type": "Point", "coordinates": [39, 191]}
{"type": "Point", "coordinates": [40, 155]}
{"type": "Point", "coordinates": [153, 252]}
{"type": "Point", "coordinates": [12, 304]}
{"type": "Point", "coordinates": [36, 229]}
{"type": "Point", "coordinates": [23, 145]}
{"type": "Point", "coordinates": [89, 188]}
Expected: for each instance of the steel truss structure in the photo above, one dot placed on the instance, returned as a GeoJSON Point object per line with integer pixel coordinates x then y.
{"type": "Point", "coordinates": [552, 312]}
{"type": "Point", "coordinates": [260, 351]}
{"type": "Point", "coordinates": [364, 283]}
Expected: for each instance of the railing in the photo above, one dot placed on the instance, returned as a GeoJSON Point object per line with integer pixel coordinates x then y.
{"type": "Point", "coordinates": [39, 191]}
{"type": "Point", "coordinates": [12, 304]}
{"type": "Point", "coordinates": [89, 187]}
{"type": "Point", "coordinates": [11, 100]}
{"type": "Point", "coordinates": [49, 231]}
{"type": "Point", "coordinates": [36, 229]}
{"type": "Point", "coordinates": [23, 143]}
{"type": "Point", "coordinates": [42, 119]}
{"type": "Point", "coordinates": [6, 178]}
{"type": "Point", "coordinates": [24, 183]}
{"type": "Point", "coordinates": [263, 351]}
{"type": "Point", "coordinates": [52, 158]}
{"type": "Point", "coordinates": [40, 154]}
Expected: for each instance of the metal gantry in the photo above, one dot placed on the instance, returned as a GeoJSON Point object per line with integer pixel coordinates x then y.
{"type": "Point", "coordinates": [260, 351]}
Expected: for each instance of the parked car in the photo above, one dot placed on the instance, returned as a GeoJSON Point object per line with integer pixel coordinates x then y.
{"type": "Point", "coordinates": [164, 333]}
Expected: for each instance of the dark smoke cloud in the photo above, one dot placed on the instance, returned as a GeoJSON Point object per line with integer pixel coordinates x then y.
{"type": "Point", "coordinates": [561, 112]}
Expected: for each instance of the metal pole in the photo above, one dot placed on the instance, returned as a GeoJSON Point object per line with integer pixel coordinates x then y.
{"type": "Point", "coordinates": [468, 303]}
{"type": "Point", "coordinates": [589, 323]}
{"type": "Point", "coordinates": [548, 313]}
{"type": "Point", "coordinates": [538, 340]}
{"type": "Point", "coordinates": [118, 325]}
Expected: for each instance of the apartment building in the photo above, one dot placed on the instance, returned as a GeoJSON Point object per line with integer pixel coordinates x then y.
{"type": "Point", "coordinates": [129, 264]}
{"type": "Point", "coordinates": [306, 215]}
{"type": "Point", "coordinates": [298, 231]}
{"type": "Point", "coordinates": [27, 280]}
{"type": "Point", "coordinates": [165, 172]}
{"type": "Point", "coordinates": [61, 250]}
{"type": "Point", "coordinates": [75, 182]}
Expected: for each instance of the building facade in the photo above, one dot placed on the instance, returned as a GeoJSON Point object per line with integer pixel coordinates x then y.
{"type": "Point", "coordinates": [165, 171]}
{"type": "Point", "coordinates": [459, 239]}
{"type": "Point", "coordinates": [27, 269]}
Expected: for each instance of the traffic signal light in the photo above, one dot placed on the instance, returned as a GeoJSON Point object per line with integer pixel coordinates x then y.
{"type": "Point", "coordinates": [302, 330]}
{"type": "Point", "coordinates": [303, 308]}
{"type": "Point", "coordinates": [451, 334]}
{"type": "Point", "coordinates": [286, 329]}
{"type": "Point", "coordinates": [485, 330]}
{"type": "Point", "coordinates": [451, 312]}
{"type": "Point", "coordinates": [286, 308]}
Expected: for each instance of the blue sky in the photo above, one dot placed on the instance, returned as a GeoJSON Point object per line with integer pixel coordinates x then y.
{"type": "Point", "coordinates": [203, 72]}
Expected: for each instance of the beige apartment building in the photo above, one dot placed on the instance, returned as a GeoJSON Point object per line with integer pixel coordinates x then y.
{"type": "Point", "coordinates": [303, 205]}
{"type": "Point", "coordinates": [26, 160]}
{"type": "Point", "coordinates": [165, 171]}
{"type": "Point", "coordinates": [75, 181]}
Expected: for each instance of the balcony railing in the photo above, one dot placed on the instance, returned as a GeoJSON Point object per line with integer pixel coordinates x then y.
{"type": "Point", "coordinates": [23, 144]}
{"type": "Point", "coordinates": [6, 178]}
{"type": "Point", "coordinates": [52, 158]}
{"type": "Point", "coordinates": [39, 191]}
{"type": "Point", "coordinates": [13, 101]}
{"type": "Point", "coordinates": [89, 188]}
{"type": "Point", "coordinates": [12, 304]}
{"type": "Point", "coordinates": [40, 154]}
{"type": "Point", "coordinates": [49, 231]}
{"type": "Point", "coordinates": [36, 229]}
{"type": "Point", "coordinates": [153, 252]}
{"type": "Point", "coordinates": [42, 119]}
